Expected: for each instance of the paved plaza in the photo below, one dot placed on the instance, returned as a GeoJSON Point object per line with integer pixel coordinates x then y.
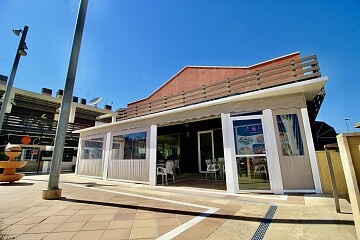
{"type": "Point", "coordinates": [94, 209]}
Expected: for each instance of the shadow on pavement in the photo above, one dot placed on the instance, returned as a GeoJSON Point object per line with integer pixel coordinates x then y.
{"type": "Point", "coordinates": [16, 184]}
{"type": "Point", "coordinates": [214, 215]}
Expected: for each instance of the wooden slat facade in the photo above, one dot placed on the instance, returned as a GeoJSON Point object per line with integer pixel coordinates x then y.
{"type": "Point", "coordinates": [291, 72]}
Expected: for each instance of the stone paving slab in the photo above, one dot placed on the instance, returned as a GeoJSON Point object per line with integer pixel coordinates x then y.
{"type": "Point", "coordinates": [95, 209]}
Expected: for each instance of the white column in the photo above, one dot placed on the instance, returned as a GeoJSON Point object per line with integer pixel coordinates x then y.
{"type": "Point", "coordinates": [79, 151]}
{"type": "Point", "coordinates": [9, 104]}
{"type": "Point", "coordinates": [311, 150]}
{"type": "Point", "coordinates": [272, 153]}
{"type": "Point", "coordinates": [152, 154]}
{"type": "Point", "coordinates": [72, 113]}
{"type": "Point", "coordinates": [232, 184]}
{"type": "Point", "coordinates": [113, 118]}
{"type": "Point", "coordinates": [106, 155]}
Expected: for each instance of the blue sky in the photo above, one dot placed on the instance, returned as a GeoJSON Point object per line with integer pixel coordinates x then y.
{"type": "Point", "coordinates": [130, 48]}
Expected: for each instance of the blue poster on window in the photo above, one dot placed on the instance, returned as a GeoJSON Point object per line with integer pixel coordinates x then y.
{"type": "Point", "coordinates": [249, 137]}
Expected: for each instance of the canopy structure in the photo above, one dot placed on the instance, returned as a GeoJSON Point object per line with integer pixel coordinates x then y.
{"type": "Point", "coordinates": [325, 134]}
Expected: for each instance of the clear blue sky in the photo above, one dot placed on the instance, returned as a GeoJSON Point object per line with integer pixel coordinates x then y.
{"type": "Point", "coordinates": [132, 47]}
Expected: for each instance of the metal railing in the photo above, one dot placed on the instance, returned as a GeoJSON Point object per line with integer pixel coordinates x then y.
{"type": "Point", "coordinates": [285, 73]}
{"type": "Point", "coordinates": [31, 125]}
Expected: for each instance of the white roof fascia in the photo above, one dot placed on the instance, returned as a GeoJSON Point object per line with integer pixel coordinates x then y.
{"type": "Point", "coordinates": [293, 88]}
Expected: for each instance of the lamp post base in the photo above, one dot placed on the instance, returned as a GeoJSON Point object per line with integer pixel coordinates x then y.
{"type": "Point", "coordinates": [51, 194]}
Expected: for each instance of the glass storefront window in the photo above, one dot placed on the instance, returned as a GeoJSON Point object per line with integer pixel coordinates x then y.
{"type": "Point", "coordinates": [290, 136]}
{"type": "Point", "coordinates": [30, 154]}
{"type": "Point", "coordinates": [92, 148]}
{"type": "Point", "coordinates": [68, 154]}
{"type": "Point", "coordinates": [129, 146]}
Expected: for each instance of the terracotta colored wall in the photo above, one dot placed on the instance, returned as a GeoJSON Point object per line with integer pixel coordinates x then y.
{"type": "Point", "coordinates": [194, 77]}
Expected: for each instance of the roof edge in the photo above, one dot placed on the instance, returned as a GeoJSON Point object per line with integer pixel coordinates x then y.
{"type": "Point", "coordinates": [241, 97]}
{"type": "Point", "coordinates": [189, 66]}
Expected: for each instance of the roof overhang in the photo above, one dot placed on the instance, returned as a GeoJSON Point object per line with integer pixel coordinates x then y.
{"type": "Point", "coordinates": [309, 88]}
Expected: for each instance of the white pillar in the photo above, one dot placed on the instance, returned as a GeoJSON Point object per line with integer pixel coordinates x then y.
{"type": "Point", "coordinates": [152, 155]}
{"type": "Point", "coordinates": [79, 151]}
{"type": "Point", "coordinates": [311, 150]}
{"type": "Point", "coordinates": [9, 104]}
{"type": "Point", "coordinates": [232, 184]}
{"type": "Point", "coordinates": [72, 113]}
{"type": "Point", "coordinates": [106, 155]}
{"type": "Point", "coordinates": [272, 153]}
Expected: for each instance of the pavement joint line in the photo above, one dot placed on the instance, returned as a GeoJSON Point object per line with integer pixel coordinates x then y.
{"type": "Point", "coordinates": [220, 197]}
{"type": "Point", "coordinates": [163, 189]}
{"type": "Point", "coordinates": [183, 192]}
{"type": "Point", "coordinates": [173, 233]}
{"type": "Point", "coordinates": [187, 225]}
{"type": "Point", "coordinates": [142, 196]}
{"type": "Point", "coordinates": [183, 227]}
{"type": "Point", "coordinates": [283, 197]}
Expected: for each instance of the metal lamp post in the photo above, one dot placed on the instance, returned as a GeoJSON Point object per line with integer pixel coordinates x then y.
{"type": "Point", "coordinates": [347, 119]}
{"type": "Point", "coordinates": [20, 52]}
{"type": "Point", "coordinates": [53, 191]}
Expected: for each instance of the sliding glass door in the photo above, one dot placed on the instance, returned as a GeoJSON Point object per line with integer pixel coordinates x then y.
{"type": "Point", "coordinates": [205, 148]}
{"type": "Point", "coordinates": [250, 149]}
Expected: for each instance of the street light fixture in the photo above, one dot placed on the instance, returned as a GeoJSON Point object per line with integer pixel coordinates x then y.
{"type": "Point", "coordinates": [20, 52]}
{"type": "Point", "coordinates": [22, 49]}
{"type": "Point", "coordinates": [347, 119]}
{"type": "Point", "coordinates": [17, 31]}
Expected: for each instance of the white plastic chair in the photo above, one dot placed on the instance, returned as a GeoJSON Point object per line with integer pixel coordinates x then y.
{"type": "Point", "coordinates": [223, 166]}
{"type": "Point", "coordinates": [170, 169]}
{"type": "Point", "coordinates": [211, 168]}
{"type": "Point", "coordinates": [162, 172]}
{"type": "Point", "coordinates": [176, 165]}
{"type": "Point", "coordinates": [260, 169]}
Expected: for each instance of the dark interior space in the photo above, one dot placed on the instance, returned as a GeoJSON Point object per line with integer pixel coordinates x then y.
{"type": "Point", "coordinates": [188, 142]}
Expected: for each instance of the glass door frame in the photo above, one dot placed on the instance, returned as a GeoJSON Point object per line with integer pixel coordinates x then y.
{"type": "Point", "coordinates": [252, 117]}
{"type": "Point", "coordinates": [199, 150]}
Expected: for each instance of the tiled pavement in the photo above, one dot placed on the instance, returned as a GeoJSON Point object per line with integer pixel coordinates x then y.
{"type": "Point", "coordinates": [94, 209]}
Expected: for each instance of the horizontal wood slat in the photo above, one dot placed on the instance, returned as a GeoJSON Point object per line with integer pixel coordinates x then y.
{"type": "Point", "coordinates": [23, 124]}
{"type": "Point", "coordinates": [285, 73]}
